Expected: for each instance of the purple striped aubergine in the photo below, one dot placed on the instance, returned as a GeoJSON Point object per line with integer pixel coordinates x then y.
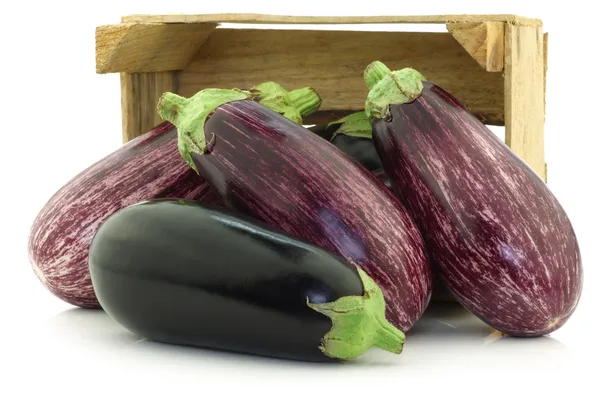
{"type": "Point", "coordinates": [499, 238]}
{"type": "Point", "coordinates": [145, 168]}
{"type": "Point", "coordinates": [279, 172]}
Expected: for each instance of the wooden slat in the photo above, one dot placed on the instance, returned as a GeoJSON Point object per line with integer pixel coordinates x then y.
{"type": "Point", "coordinates": [524, 95]}
{"type": "Point", "coordinates": [545, 71]}
{"type": "Point", "coordinates": [148, 47]}
{"type": "Point", "coordinates": [139, 96]}
{"type": "Point", "coordinates": [303, 19]}
{"type": "Point", "coordinates": [545, 64]}
{"type": "Point", "coordinates": [333, 62]}
{"type": "Point", "coordinates": [484, 41]}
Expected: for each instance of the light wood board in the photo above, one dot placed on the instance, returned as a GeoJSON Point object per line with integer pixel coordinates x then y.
{"type": "Point", "coordinates": [483, 41]}
{"type": "Point", "coordinates": [139, 96]}
{"type": "Point", "coordinates": [332, 62]}
{"type": "Point", "coordinates": [524, 95]}
{"type": "Point", "coordinates": [303, 19]}
{"type": "Point", "coordinates": [148, 47]}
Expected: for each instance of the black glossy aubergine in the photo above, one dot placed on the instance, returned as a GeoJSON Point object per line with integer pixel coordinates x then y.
{"type": "Point", "coordinates": [352, 134]}
{"type": "Point", "coordinates": [184, 273]}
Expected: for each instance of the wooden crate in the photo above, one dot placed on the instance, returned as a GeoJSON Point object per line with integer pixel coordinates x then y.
{"type": "Point", "coordinates": [494, 64]}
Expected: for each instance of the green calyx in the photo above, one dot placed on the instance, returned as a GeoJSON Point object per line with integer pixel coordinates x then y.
{"type": "Point", "coordinates": [390, 87]}
{"type": "Point", "coordinates": [305, 100]}
{"type": "Point", "coordinates": [355, 125]}
{"type": "Point", "coordinates": [189, 114]}
{"type": "Point", "coordinates": [358, 324]}
{"type": "Point", "coordinates": [294, 105]}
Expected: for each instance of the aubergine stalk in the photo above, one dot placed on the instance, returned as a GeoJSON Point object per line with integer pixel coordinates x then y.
{"type": "Point", "coordinates": [185, 273]}
{"type": "Point", "coordinates": [500, 239]}
{"type": "Point", "coordinates": [276, 171]}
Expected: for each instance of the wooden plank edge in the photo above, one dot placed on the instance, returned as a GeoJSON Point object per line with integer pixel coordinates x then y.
{"type": "Point", "coordinates": [545, 67]}
{"type": "Point", "coordinates": [107, 54]}
{"type": "Point", "coordinates": [303, 19]}
{"type": "Point", "coordinates": [484, 42]}
{"type": "Point", "coordinates": [545, 72]}
{"type": "Point", "coordinates": [524, 122]}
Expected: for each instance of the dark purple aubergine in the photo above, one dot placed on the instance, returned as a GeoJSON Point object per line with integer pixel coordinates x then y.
{"type": "Point", "coordinates": [145, 168]}
{"type": "Point", "coordinates": [352, 134]}
{"type": "Point", "coordinates": [222, 280]}
{"type": "Point", "coordinates": [500, 239]}
{"type": "Point", "coordinates": [270, 168]}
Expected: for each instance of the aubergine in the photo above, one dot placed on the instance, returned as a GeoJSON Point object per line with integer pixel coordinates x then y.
{"type": "Point", "coordinates": [184, 273]}
{"type": "Point", "coordinates": [501, 241]}
{"type": "Point", "coordinates": [144, 168]}
{"type": "Point", "coordinates": [275, 170]}
{"type": "Point", "coordinates": [361, 149]}
{"type": "Point", "coordinates": [352, 134]}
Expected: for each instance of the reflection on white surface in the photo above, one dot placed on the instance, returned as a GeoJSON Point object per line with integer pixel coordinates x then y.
{"type": "Point", "coordinates": [84, 354]}
{"type": "Point", "coordinates": [447, 334]}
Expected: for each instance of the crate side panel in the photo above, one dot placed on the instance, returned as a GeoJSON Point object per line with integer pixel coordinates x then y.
{"type": "Point", "coordinates": [139, 96]}
{"type": "Point", "coordinates": [333, 62]}
{"type": "Point", "coordinates": [525, 101]}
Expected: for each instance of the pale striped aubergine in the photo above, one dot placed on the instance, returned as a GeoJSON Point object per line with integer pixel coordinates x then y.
{"type": "Point", "coordinates": [145, 168]}
{"type": "Point", "coordinates": [498, 236]}
{"type": "Point", "coordinates": [353, 134]}
{"type": "Point", "coordinates": [277, 171]}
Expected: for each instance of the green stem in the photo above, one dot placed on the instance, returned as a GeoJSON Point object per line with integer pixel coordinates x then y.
{"type": "Point", "coordinates": [396, 87]}
{"type": "Point", "coordinates": [305, 100]}
{"type": "Point", "coordinates": [359, 323]}
{"type": "Point", "coordinates": [293, 105]}
{"type": "Point", "coordinates": [355, 125]}
{"type": "Point", "coordinates": [375, 72]}
{"type": "Point", "coordinates": [170, 106]}
{"type": "Point", "coordinates": [189, 114]}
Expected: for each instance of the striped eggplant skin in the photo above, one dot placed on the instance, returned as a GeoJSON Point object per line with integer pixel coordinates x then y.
{"type": "Point", "coordinates": [277, 171]}
{"type": "Point", "coordinates": [145, 168]}
{"type": "Point", "coordinates": [498, 237]}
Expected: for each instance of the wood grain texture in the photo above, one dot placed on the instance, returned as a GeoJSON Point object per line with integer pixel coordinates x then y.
{"type": "Point", "coordinates": [545, 65]}
{"type": "Point", "coordinates": [304, 19]}
{"type": "Point", "coordinates": [148, 47]}
{"type": "Point", "coordinates": [545, 72]}
{"type": "Point", "coordinates": [139, 96]}
{"type": "Point", "coordinates": [483, 41]}
{"type": "Point", "coordinates": [332, 62]}
{"type": "Point", "coordinates": [524, 95]}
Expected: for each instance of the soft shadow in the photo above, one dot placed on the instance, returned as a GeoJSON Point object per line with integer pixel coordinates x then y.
{"type": "Point", "coordinates": [448, 320]}
{"type": "Point", "coordinates": [97, 330]}
{"type": "Point", "coordinates": [534, 344]}
{"type": "Point", "coordinates": [450, 325]}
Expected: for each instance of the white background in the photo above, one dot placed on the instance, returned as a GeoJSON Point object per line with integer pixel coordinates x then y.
{"type": "Point", "coordinates": [59, 116]}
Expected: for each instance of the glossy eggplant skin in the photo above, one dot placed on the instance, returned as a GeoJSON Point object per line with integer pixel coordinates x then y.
{"type": "Point", "coordinates": [359, 148]}
{"type": "Point", "coordinates": [274, 170]}
{"type": "Point", "coordinates": [499, 238]}
{"type": "Point", "coordinates": [181, 272]}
